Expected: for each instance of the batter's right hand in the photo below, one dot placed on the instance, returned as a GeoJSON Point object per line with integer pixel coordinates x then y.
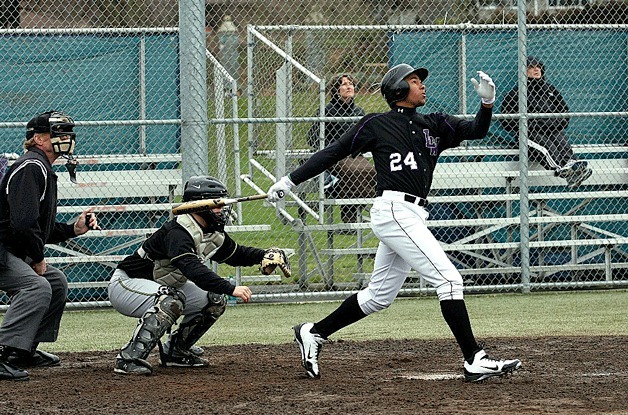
{"type": "Point", "coordinates": [280, 189]}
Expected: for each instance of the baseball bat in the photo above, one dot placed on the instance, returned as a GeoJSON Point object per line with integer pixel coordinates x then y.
{"type": "Point", "coordinates": [208, 204]}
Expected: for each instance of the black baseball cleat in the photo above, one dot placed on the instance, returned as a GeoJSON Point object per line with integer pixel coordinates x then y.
{"type": "Point", "coordinates": [10, 372]}
{"type": "Point", "coordinates": [483, 367]}
{"type": "Point", "coordinates": [38, 358]}
{"type": "Point", "coordinates": [181, 358]}
{"type": "Point", "coordinates": [132, 367]}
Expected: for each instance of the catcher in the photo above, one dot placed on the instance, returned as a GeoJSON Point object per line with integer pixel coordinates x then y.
{"type": "Point", "coordinates": [167, 278]}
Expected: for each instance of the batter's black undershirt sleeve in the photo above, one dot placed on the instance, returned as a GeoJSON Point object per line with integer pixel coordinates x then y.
{"type": "Point", "coordinates": [458, 130]}
{"type": "Point", "coordinates": [319, 162]}
{"type": "Point", "coordinates": [481, 124]}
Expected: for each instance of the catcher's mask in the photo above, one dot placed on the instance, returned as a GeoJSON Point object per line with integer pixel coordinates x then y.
{"type": "Point", "coordinates": [62, 136]}
{"type": "Point", "coordinates": [394, 86]}
{"type": "Point", "coordinates": [208, 187]}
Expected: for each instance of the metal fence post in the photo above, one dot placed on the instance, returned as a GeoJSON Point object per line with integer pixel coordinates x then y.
{"type": "Point", "coordinates": [523, 146]}
{"type": "Point", "coordinates": [193, 87]}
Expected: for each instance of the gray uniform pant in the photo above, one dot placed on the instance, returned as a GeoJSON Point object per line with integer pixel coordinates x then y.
{"type": "Point", "coordinates": [37, 303]}
{"type": "Point", "coordinates": [134, 296]}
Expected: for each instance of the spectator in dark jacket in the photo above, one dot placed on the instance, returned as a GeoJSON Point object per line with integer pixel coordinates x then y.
{"type": "Point", "coordinates": [349, 178]}
{"type": "Point", "coordinates": [547, 140]}
{"type": "Point", "coordinates": [28, 207]}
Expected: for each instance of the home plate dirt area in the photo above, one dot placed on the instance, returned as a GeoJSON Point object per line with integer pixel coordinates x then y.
{"type": "Point", "coordinates": [559, 375]}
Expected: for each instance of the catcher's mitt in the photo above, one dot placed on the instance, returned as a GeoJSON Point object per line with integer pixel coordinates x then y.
{"type": "Point", "coordinates": [273, 258]}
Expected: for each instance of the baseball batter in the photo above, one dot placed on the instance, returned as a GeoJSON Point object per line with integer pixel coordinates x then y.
{"type": "Point", "coordinates": [405, 147]}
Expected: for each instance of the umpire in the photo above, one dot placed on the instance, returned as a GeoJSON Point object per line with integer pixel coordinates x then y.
{"type": "Point", "coordinates": [28, 207]}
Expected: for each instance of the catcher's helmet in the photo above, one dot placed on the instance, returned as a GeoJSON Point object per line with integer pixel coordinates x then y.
{"type": "Point", "coordinates": [204, 187]}
{"type": "Point", "coordinates": [394, 86]}
{"type": "Point", "coordinates": [59, 125]}
{"type": "Point", "coordinates": [208, 187]}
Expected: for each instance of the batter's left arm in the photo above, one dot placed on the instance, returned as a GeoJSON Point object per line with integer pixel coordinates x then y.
{"type": "Point", "coordinates": [455, 130]}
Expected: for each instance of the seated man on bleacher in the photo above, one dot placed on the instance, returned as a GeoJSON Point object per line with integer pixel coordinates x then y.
{"type": "Point", "coordinates": [350, 178]}
{"type": "Point", "coordinates": [546, 136]}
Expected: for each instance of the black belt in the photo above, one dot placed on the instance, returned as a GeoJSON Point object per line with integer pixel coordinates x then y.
{"type": "Point", "coordinates": [416, 200]}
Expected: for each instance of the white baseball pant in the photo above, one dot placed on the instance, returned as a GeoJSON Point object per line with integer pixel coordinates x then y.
{"type": "Point", "coordinates": [405, 243]}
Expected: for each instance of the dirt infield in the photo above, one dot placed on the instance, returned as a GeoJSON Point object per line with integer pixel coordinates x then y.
{"type": "Point", "coordinates": [559, 376]}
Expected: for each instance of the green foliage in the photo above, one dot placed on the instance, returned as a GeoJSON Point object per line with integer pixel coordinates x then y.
{"type": "Point", "coordinates": [595, 313]}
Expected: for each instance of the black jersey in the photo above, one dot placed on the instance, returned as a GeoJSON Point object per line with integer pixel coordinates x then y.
{"type": "Point", "coordinates": [405, 146]}
{"type": "Point", "coordinates": [174, 243]}
{"type": "Point", "coordinates": [28, 207]}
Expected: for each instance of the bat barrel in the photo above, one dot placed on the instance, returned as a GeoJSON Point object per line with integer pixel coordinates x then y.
{"type": "Point", "coordinates": [208, 204]}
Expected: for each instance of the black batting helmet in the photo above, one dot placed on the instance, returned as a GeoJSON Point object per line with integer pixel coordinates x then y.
{"type": "Point", "coordinates": [394, 86]}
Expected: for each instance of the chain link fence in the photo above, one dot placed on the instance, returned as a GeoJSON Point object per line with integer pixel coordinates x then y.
{"type": "Point", "coordinates": [164, 90]}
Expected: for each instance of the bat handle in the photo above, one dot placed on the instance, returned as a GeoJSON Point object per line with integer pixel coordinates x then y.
{"type": "Point", "coordinates": [281, 194]}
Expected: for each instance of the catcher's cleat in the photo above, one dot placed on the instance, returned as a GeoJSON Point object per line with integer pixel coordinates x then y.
{"type": "Point", "coordinates": [483, 367]}
{"type": "Point", "coordinates": [180, 358]}
{"type": "Point", "coordinates": [38, 358]}
{"type": "Point", "coordinates": [132, 367]}
{"type": "Point", "coordinates": [310, 345]}
{"type": "Point", "coordinates": [196, 350]}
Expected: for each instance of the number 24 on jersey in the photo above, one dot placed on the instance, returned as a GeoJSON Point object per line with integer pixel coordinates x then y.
{"type": "Point", "coordinates": [396, 163]}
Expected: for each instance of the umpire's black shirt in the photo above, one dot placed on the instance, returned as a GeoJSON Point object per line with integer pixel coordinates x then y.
{"type": "Point", "coordinates": [28, 207]}
{"type": "Point", "coordinates": [405, 146]}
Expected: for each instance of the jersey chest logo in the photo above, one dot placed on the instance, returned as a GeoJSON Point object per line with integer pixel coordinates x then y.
{"type": "Point", "coordinates": [431, 143]}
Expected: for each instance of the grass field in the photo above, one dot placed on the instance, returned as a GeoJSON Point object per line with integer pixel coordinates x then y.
{"type": "Point", "coordinates": [507, 315]}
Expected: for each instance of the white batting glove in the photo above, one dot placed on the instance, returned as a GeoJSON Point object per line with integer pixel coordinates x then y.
{"type": "Point", "coordinates": [485, 88]}
{"type": "Point", "coordinates": [280, 189]}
